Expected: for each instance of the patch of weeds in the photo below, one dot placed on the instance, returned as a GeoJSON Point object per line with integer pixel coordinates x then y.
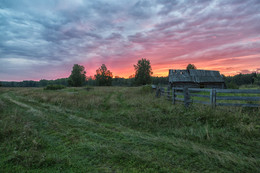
{"type": "Point", "coordinates": [54, 87]}
{"type": "Point", "coordinates": [146, 89]}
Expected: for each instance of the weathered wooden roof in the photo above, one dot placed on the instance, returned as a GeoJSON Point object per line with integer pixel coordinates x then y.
{"type": "Point", "coordinates": [197, 76]}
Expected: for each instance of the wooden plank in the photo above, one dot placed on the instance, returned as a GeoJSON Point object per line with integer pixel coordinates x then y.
{"type": "Point", "coordinates": [167, 91]}
{"type": "Point", "coordinates": [199, 95]}
{"type": "Point", "coordinates": [179, 99]}
{"type": "Point", "coordinates": [177, 88]}
{"type": "Point", "coordinates": [178, 94]}
{"type": "Point", "coordinates": [238, 98]}
{"type": "Point", "coordinates": [199, 89]}
{"type": "Point", "coordinates": [186, 97]}
{"type": "Point", "coordinates": [238, 104]}
{"type": "Point", "coordinates": [202, 102]}
{"type": "Point", "coordinates": [238, 91]}
{"type": "Point", "coordinates": [173, 96]}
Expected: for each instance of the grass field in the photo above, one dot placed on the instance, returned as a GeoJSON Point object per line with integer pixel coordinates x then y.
{"type": "Point", "coordinates": [120, 129]}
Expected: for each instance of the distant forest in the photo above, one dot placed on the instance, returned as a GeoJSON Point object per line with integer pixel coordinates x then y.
{"type": "Point", "coordinates": [117, 81]}
{"type": "Point", "coordinates": [231, 81]}
{"type": "Point", "coordinates": [89, 81]}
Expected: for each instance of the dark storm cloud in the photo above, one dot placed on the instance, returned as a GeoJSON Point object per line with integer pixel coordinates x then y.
{"type": "Point", "coordinates": [50, 36]}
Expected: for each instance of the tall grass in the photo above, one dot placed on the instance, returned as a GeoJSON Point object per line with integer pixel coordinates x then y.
{"type": "Point", "coordinates": [119, 129]}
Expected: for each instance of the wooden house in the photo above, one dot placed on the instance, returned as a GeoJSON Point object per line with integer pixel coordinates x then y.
{"type": "Point", "coordinates": [196, 79]}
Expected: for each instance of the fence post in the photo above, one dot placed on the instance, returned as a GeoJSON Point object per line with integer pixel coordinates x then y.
{"type": "Point", "coordinates": [213, 97]}
{"type": "Point", "coordinates": [173, 95]}
{"type": "Point", "coordinates": [169, 93]}
{"type": "Point", "coordinates": [162, 91]}
{"type": "Point", "coordinates": [186, 97]}
{"type": "Point", "coordinates": [158, 92]}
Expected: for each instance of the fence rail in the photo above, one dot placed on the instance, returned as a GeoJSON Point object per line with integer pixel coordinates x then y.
{"type": "Point", "coordinates": [213, 97]}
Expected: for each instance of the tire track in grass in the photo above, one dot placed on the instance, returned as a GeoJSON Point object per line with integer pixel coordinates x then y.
{"type": "Point", "coordinates": [71, 114]}
{"type": "Point", "coordinates": [106, 100]}
{"type": "Point", "coordinates": [35, 112]}
{"type": "Point", "coordinates": [49, 109]}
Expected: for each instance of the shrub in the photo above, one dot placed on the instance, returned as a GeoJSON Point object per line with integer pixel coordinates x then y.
{"type": "Point", "coordinates": [54, 87]}
{"type": "Point", "coordinates": [2, 105]}
{"type": "Point", "coordinates": [251, 86]}
{"type": "Point", "coordinates": [146, 89]}
{"type": "Point", "coordinates": [232, 85]}
{"type": "Point", "coordinates": [88, 88]}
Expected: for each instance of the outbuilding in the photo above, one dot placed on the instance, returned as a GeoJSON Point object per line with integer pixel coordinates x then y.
{"type": "Point", "coordinates": [196, 79]}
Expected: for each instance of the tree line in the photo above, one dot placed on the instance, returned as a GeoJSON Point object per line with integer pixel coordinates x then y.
{"type": "Point", "coordinates": [242, 79]}
{"type": "Point", "coordinates": [90, 81]}
{"type": "Point", "coordinates": [143, 75]}
{"type": "Point", "coordinates": [103, 77]}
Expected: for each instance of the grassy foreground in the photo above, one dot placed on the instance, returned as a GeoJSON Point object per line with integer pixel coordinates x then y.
{"type": "Point", "coordinates": [118, 129]}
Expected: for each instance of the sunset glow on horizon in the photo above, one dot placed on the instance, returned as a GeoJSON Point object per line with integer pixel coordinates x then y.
{"type": "Point", "coordinates": [44, 39]}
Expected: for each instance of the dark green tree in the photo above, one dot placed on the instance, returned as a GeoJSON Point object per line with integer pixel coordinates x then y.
{"type": "Point", "coordinates": [143, 72]}
{"type": "Point", "coordinates": [103, 76]}
{"type": "Point", "coordinates": [191, 66]}
{"type": "Point", "coordinates": [43, 82]}
{"type": "Point", "coordinates": [78, 76]}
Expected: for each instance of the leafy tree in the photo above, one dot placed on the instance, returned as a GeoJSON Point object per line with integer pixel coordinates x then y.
{"type": "Point", "coordinates": [104, 76]}
{"type": "Point", "coordinates": [191, 66]}
{"type": "Point", "coordinates": [243, 79]}
{"type": "Point", "coordinates": [143, 72]}
{"type": "Point", "coordinates": [43, 82]}
{"type": "Point", "coordinates": [78, 76]}
{"type": "Point", "coordinates": [29, 83]}
{"type": "Point", "coordinates": [160, 80]}
{"type": "Point", "coordinates": [119, 81]}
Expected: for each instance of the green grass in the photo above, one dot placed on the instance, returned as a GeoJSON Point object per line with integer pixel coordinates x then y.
{"type": "Point", "coordinates": [119, 129]}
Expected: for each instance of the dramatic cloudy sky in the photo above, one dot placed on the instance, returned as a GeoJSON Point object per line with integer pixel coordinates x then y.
{"type": "Point", "coordinates": [42, 39]}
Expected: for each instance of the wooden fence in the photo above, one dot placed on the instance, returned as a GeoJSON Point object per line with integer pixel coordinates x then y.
{"type": "Point", "coordinates": [213, 97]}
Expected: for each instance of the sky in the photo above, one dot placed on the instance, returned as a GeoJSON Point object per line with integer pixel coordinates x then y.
{"type": "Point", "coordinates": [43, 39]}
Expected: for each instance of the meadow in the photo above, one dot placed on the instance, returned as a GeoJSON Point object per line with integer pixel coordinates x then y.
{"type": "Point", "coordinates": [122, 129]}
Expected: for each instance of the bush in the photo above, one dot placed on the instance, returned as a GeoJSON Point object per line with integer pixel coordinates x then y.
{"type": "Point", "coordinates": [2, 105]}
{"type": "Point", "coordinates": [232, 85]}
{"type": "Point", "coordinates": [146, 89]}
{"type": "Point", "coordinates": [251, 86]}
{"type": "Point", "coordinates": [54, 87]}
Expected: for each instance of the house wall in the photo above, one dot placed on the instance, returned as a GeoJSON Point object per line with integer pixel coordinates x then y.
{"type": "Point", "coordinates": [197, 85]}
{"type": "Point", "coordinates": [181, 85]}
{"type": "Point", "coordinates": [215, 85]}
